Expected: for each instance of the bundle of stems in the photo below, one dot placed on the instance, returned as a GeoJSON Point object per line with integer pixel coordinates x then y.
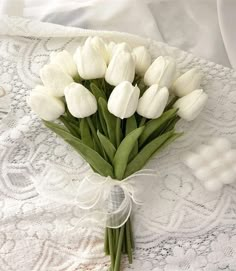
{"type": "Point", "coordinates": [116, 148]}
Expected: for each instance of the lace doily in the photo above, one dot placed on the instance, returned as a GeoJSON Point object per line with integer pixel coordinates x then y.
{"type": "Point", "coordinates": [183, 227]}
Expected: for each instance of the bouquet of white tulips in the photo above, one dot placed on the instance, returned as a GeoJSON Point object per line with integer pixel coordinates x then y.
{"type": "Point", "coordinates": [116, 107]}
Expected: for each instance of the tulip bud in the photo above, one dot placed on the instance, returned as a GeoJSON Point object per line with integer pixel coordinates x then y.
{"type": "Point", "coordinates": [121, 68]}
{"type": "Point", "coordinates": [100, 46]}
{"type": "Point", "coordinates": [90, 62]}
{"type": "Point", "coordinates": [80, 101]}
{"type": "Point", "coordinates": [123, 100]}
{"type": "Point", "coordinates": [187, 82]}
{"type": "Point", "coordinates": [110, 48]}
{"type": "Point", "coordinates": [142, 59]}
{"type": "Point", "coordinates": [46, 106]}
{"type": "Point", "coordinates": [153, 102]}
{"type": "Point", "coordinates": [162, 72]}
{"type": "Point", "coordinates": [120, 47]}
{"type": "Point", "coordinates": [65, 61]}
{"type": "Point", "coordinates": [55, 79]}
{"type": "Point", "coordinates": [191, 105]}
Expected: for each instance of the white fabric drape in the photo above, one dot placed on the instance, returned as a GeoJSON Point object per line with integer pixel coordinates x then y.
{"type": "Point", "coordinates": [182, 226]}
{"type": "Point", "coordinates": [204, 28]}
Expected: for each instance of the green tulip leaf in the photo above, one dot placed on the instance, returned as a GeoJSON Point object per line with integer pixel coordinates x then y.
{"type": "Point", "coordinates": [170, 125]}
{"type": "Point", "coordinates": [109, 148]}
{"type": "Point", "coordinates": [85, 133]}
{"type": "Point", "coordinates": [131, 124]}
{"type": "Point", "coordinates": [92, 157]}
{"type": "Point", "coordinates": [71, 126]}
{"type": "Point", "coordinates": [103, 123]}
{"type": "Point", "coordinates": [95, 146]}
{"type": "Point", "coordinates": [97, 92]}
{"type": "Point", "coordinates": [144, 155]}
{"type": "Point", "coordinates": [122, 154]}
{"type": "Point", "coordinates": [70, 117]}
{"type": "Point", "coordinates": [110, 120]}
{"type": "Point", "coordinates": [155, 124]}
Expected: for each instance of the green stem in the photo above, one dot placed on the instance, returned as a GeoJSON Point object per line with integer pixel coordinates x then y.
{"type": "Point", "coordinates": [71, 117]}
{"type": "Point", "coordinates": [117, 231]}
{"type": "Point", "coordinates": [77, 78]}
{"type": "Point", "coordinates": [104, 87]}
{"type": "Point", "coordinates": [94, 133]}
{"type": "Point", "coordinates": [128, 241]}
{"type": "Point", "coordinates": [118, 123]}
{"type": "Point", "coordinates": [118, 252]}
{"type": "Point", "coordinates": [106, 243]}
{"type": "Point", "coordinates": [131, 233]}
{"type": "Point", "coordinates": [142, 122]}
{"type": "Point", "coordinates": [74, 130]}
{"type": "Point", "coordinates": [137, 80]}
{"type": "Point", "coordinates": [124, 247]}
{"type": "Point", "coordinates": [171, 103]}
{"type": "Point", "coordinates": [123, 124]}
{"type": "Point", "coordinates": [111, 248]}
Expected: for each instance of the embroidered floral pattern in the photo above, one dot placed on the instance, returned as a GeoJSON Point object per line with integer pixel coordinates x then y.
{"type": "Point", "coordinates": [184, 260]}
{"type": "Point", "coordinates": [223, 252]}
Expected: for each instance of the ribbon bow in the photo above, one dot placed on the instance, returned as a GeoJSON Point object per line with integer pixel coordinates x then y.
{"type": "Point", "coordinates": [107, 200]}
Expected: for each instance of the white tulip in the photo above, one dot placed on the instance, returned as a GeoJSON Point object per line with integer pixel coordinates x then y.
{"type": "Point", "coordinates": [65, 61]}
{"type": "Point", "coordinates": [123, 100]}
{"type": "Point", "coordinates": [100, 46]}
{"type": "Point", "coordinates": [121, 68]}
{"type": "Point", "coordinates": [55, 79]}
{"type": "Point", "coordinates": [80, 101]}
{"type": "Point", "coordinates": [46, 106]}
{"type": "Point", "coordinates": [123, 46]}
{"type": "Point", "coordinates": [89, 61]}
{"type": "Point", "coordinates": [153, 102]}
{"type": "Point", "coordinates": [187, 82]}
{"type": "Point", "coordinates": [110, 48]}
{"type": "Point", "coordinates": [162, 72]}
{"type": "Point", "coordinates": [142, 59]}
{"type": "Point", "coordinates": [191, 105]}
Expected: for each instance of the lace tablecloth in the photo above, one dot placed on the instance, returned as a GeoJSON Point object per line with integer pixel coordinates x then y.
{"type": "Point", "coordinates": [182, 227]}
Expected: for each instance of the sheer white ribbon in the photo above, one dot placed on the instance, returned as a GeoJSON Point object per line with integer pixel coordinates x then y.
{"type": "Point", "coordinates": [105, 200]}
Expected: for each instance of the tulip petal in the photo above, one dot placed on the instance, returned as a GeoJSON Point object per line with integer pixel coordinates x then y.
{"type": "Point", "coordinates": [90, 62]}
{"type": "Point", "coordinates": [187, 82]}
{"type": "Point", "coordinates": [191, 105]}
{"type": "Point", "coordinates": [121, 68]}
{"type": "Point", "coordinates": [153, 102]}
{"type": "Point", "coordinates": [123, 100]}
{"type": "Point", "coordinates": [142, 59]}
{"type": "Point", "coordinates": [120, 47]}
{"type": "Point", "coordinates": [65, 61]}
{"type": "Point", "coordinates": [162, 72]}
{"type": "Point", "coordinates": [100, 46]}
{"type": "Point", "coordinates": [44, 105]}
{"type": "Point", "coordinates": [80, 101]}
{"type": "Point", "coordinates": [55, 79]}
